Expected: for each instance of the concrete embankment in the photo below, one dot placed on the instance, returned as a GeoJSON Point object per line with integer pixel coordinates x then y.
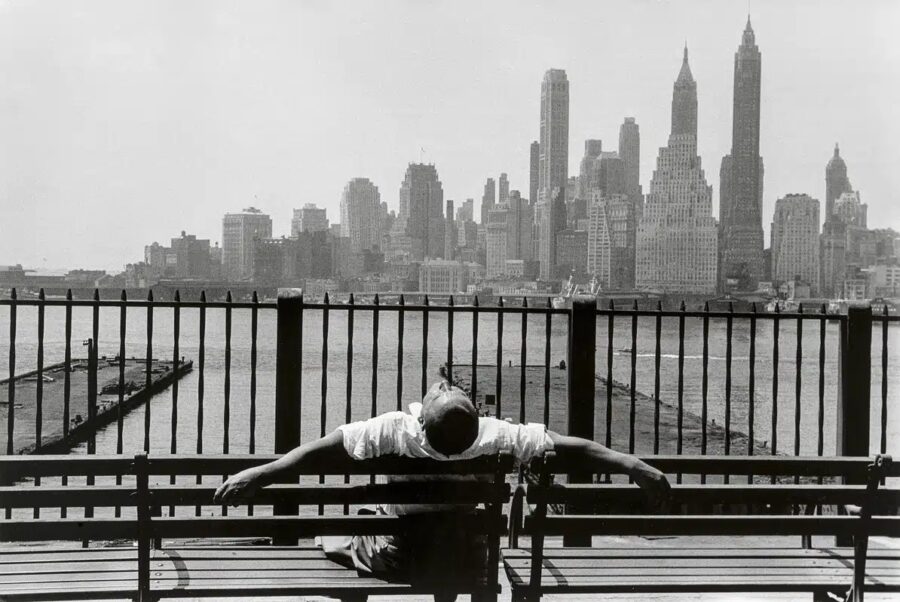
{"type": "Point", "coordinates": [645, 407]}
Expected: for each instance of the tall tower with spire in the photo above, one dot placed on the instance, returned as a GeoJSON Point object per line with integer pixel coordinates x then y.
{"type": "Point", "coordinates": [676, 236]}
{"type": "Point", "coordinates": [741, 177]}
{"type": "Point", "coordinates": [836, 181]}
{"type": "Point", "coordinates": [684, 101]}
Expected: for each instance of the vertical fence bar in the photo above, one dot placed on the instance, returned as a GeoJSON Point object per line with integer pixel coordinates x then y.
{"type": "Point", "coordinates": [632, 407]}
{"type": "Point", "coordinates": [11, 385]}
{"type": "Point", "coordinates": [67, 367]}
{"type": "Point", "coordinates": [774, 427]}
{"type": "Point", "coordinates": [67, 384]}
{"type": "Point", "coordinates": [323, 408]}
{"type": "Point", "coordinates": [288, 384]}
{"type": "Point", "coordinates": [548, 326]}
{"type": "Point", "coordinates": [226, 387]}
{"type": "Point", "coordinates": [375, 319]}
{"type": "Point", "coordinates": [657, 355]}
{"type": "Point", "coordinates": [523, 359]}
{"type": "Point", "coordinates": [348, 416]}
{"type": "Point", "coordinates": [704, 388]}
{"type": "Point", "coordinates": [751, 389]}
{"type": "Point", "coordinates": [680, 442]}
{"type": "Point", "coordinates": [854, 408]}
{"type": "Point", "coordinates": [39, 393]}
{"type": "Point", "coordinates": [729, 346]}
{"type": "Point", "coordinates": [610, 331]}
{"type": "Point", "coordinates": [254, 333]}
{"type": "Point", "coordinates": [148, 374]}
{"type": "Point", "coordinates": [226, 392]}
{"type": "Point", "coordinates": [473, 389]}
{"type": "Point", "coordinates": [400, 328]}
{"type": "Point", "coordinates": [499, 358]}
{"type": "Point", "coordinates": [449, 362]}
{"type": "Point", "coordinates": [884, 382]}
{"type": "Point", "coordinates": [582, 355]}
{"type": "Point", "coordinates": [201, 378]}
{"type": "Point", "coordinates": [120, 414]}
{"type": "Point", "coordinates": [798, 384]}
{"type": "Point", "coordinates": [176, 366]}
{"type": "Point", "coordinates": [820, 448]}
{"type": "Point", "coordinates": [425, 347]}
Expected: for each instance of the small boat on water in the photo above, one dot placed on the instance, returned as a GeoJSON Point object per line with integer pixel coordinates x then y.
{"type": "Point", "coordinates": [570, 290]}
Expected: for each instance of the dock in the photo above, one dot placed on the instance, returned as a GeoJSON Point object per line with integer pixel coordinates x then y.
{"type": "Point", "coordinates": [56, 434]}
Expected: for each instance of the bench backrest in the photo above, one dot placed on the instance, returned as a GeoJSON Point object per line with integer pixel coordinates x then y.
{"type": "Point", "coordinates": [778, 500]}
{"type": "Point", "coordinates": [118, 491]}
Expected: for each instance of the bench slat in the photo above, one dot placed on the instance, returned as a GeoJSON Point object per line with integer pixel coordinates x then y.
{"type": "Point", "coordinates": [68, 529]}
{"type": "Point", "coordinates": [221, 526]}
{"type": "Point", "coordinates": [713, 525]}
{"type": "Point", "coordinates": [451, 492]}
{"type": "Point", "coordinates": [698, 552]}
{"type": "Point", "coordinates": [232, 463]}
{"type": "Point", "coordinates": [70, 496]}
{"type": "Point", "coordinates": [629, 495]}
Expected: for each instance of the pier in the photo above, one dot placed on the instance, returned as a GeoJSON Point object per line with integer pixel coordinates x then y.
{"type": "Point", "coordinates": [65, 416]}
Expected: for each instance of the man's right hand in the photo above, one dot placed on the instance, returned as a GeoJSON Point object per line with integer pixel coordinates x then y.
{"type": "Point", "coordinates": [238, 487]}
{"type": "Point", "coordinates": [654, 483]}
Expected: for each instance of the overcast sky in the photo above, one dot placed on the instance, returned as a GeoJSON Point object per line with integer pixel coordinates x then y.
{"type": "Point", "coordinates": [123, 123]}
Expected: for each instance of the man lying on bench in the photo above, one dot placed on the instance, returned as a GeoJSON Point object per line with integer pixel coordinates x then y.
{"type": "Point", "coordinates": [445, 426]}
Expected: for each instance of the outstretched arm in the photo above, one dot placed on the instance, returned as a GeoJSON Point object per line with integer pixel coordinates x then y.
{"type": "Point", "coordinates": [589, 456]}
{"type": "Point", "coordinates": [240, 486]}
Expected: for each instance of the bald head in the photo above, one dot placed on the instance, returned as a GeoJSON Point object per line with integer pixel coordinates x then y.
{"type": "Point", "coordinates": [450, 420]}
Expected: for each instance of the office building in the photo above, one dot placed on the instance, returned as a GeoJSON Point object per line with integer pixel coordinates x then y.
{"type": "Point", "coordinates": [239, 233]}
{"type": "Point", "coordinates": [553, 170]}
{"type": "Point", "coordinates": [361, 215]}
{"type": "Point", "coordinates": [795, 241]}
{"type": "Point", "coordinates": [422, 210]}
{"type": "Point", "coordinates": [677, 234]}
{"type": "Point", "coordinates": [308, 218]}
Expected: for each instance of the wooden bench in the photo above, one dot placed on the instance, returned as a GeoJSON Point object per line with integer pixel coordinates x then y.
{"type": "Point", "coordinates": [739, 566]}
{"type": "Point", "coordinates": [151, 571]}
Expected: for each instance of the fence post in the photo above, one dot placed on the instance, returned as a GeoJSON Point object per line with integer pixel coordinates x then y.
{"type": "Point", "coordinates": [854, 385]}
{"type": "Point", "coordinates": [582, 353]}
{"type": "Point", "coordinates": [288, 383]}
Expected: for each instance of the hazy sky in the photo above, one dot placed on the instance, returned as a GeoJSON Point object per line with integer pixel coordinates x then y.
{"type": "Point", "coordinates": [123, 123]}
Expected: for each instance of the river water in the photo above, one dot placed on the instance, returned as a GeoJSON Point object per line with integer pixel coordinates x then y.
{"type": "Point", "coordinates": [385, 397]}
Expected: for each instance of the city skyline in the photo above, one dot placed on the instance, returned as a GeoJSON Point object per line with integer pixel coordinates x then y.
{"type": "Point", "coordinates": [121, 163]}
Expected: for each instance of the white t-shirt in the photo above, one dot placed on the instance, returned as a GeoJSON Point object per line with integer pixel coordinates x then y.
{"type": "Point", "coordinates": [401, 434]}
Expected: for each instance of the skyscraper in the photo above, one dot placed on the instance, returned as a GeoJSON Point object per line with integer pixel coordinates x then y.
{"type": "Point", "coordinates": [503, 193]}
{"type": "Point", "coordinates": [449, 232]}
{"type": "Point", "coordinates": [239, 233]}
{"type": "Point", "coordinates": [740, 188]}
{"type": "Point", "coordinates": [592, 150]}
{"type": "Point", "coordinates": [676, 237]}
{"type": "Point", "coordinates": [836, 181]}
{"type": "Point", "coordinates": [488, 199]}
{"type": "Point", "coordinates": [497, 241]}
{"type": "Point", "coordinates": [422, 205]}
{"type": "Point", "coordinates": [630, 153]}
{"type": "Point", "coordinates": [361, 214]}
{"type": "Point", "coordinates": [553, 170]}
{"type": "Point", "coordinates": [534, 167]}
{"type": "Point", "coordinates": [795, 240]}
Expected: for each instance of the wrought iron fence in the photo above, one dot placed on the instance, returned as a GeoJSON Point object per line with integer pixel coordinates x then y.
{"type": "Point", "coordinates": [595, 330]}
